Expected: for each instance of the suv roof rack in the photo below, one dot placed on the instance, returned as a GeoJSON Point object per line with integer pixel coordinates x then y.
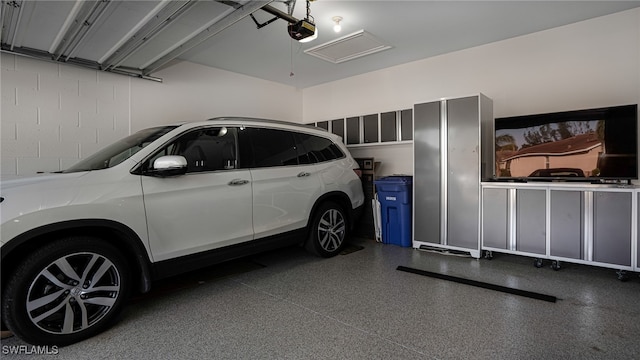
{"type": "Point", "coordinates": [265, 121]}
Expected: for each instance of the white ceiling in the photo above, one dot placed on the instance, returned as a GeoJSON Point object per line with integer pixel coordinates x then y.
{"type": "Point", "coordinates": [214, 33]}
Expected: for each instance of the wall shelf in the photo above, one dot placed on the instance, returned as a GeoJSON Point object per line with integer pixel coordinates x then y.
{"type": "Point", "coordinates": [391, 127]}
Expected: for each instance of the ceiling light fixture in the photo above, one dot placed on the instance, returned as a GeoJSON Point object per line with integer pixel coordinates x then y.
{"type": "Point", "coordinates": [337, 27]}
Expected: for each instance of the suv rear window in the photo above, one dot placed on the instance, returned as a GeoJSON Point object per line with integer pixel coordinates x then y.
{"type": "Point", "coordinates": [270, 147]}
{"type": "Point", "coordinates": [318, 149]}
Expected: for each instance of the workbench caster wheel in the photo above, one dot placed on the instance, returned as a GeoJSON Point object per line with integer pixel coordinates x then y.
{"type": "Point", "coordinates": [537, 263]}
{"type": "Point", "coordinates": [555, 265]}
{"type": "Point", "coordinates": [622, 275]}
{"type": "Point", "coordinates": [488, 254]}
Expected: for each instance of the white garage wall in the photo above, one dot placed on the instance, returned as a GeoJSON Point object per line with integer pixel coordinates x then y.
{"type": "Point", "coordinates": [589, 64]}
{"type": "Point", "coordinates": [192, 92]}
{"type": "Point", "coordinates": [54, 114]}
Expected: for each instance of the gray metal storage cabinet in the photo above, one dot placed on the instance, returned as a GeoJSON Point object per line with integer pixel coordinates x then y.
{"type": "Point", "coordinates": [453, 151]}
{"type": "Point", "coordinates": [589, 224]}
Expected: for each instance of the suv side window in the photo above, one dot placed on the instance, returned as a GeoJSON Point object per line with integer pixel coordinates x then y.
{"type": "Point", "coordinates": [206, 149]}
{"type": "Point", "coordinates": [319, 149]}
{"type": "Point", "coordinates": [270, 147]}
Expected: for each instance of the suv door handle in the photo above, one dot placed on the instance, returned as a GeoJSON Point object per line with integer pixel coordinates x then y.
{"type": "Point", "coordinates": [303, 174]}
{"type": "Point", "coordinates": [236, 182]}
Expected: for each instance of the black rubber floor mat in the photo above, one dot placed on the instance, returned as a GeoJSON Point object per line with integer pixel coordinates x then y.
{"type": "Point", "coordinates": [484, 285]}
{"type": "Point", "coordinates": [348, 249]}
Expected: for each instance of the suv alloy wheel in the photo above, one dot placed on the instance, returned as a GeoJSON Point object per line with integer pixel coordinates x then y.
{"type": "Point", "coordinates": [328, 230]}
{"type": "Point", "coordinates": [66, 291]}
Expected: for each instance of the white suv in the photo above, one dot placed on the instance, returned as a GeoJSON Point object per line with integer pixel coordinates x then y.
{"type": "Point", "coordinates": [163, 201]}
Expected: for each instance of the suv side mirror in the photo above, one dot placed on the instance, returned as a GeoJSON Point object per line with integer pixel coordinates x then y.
{"type": "Point", "coordinates": [170, 165]}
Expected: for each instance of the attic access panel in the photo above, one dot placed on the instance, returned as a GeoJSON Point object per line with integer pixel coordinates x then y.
{"type": "Point", "coordinates": [349, 47]}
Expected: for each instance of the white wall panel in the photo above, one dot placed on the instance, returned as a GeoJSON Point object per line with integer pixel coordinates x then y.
{"type": "Point", "coordinates": [59, 148]}
{"type": "Point", "coordinates": [58, 108]}
{"type": "Point", "coordinates": [12, 148]}
{"type": "Point", "coordinates": [13, 114]}
{"type": "Point", "coordinates": [27, 65]}
{"type": "Point", "coordinates": [192, 92]}
{"type": "Point", "coordinates": [33, 165]}
{"type": "Point", "coordinates": [38, 132]}
{"type": "Point", "coordinates": [70, 132]}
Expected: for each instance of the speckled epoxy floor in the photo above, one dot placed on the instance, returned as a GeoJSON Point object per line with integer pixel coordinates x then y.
{"type": "Point", "coordinates": [290, 305]}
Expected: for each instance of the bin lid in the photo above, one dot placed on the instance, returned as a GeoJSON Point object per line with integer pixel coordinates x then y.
{"type": "Point", "coordinates": [395, 179]}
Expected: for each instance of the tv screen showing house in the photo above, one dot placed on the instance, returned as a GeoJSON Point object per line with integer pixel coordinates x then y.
{"type": "Point", "coordinates": [582, 144]}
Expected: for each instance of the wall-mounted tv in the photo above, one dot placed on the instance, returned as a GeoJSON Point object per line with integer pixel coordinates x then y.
{"type": "Point", "coordinates": [582, 145]}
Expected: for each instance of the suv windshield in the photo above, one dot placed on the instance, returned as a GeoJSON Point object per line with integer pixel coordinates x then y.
{"type": "Point", "coordinates": [120, 151]}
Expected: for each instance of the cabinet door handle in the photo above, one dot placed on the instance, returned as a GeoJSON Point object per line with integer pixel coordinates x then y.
{"type": "Point", "coordinates": [236, 182]}
{"type": "Point", "coordinates": [303, 174]}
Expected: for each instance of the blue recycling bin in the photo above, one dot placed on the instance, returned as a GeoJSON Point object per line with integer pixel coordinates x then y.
{"type": "Point", "coordinates": [395, 195]}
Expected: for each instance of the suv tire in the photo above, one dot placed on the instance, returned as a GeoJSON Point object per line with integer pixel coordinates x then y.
{"type": "Point", "coordinates": [328, 230]}
{"type": "Point", "coordinates": [66, 291]}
